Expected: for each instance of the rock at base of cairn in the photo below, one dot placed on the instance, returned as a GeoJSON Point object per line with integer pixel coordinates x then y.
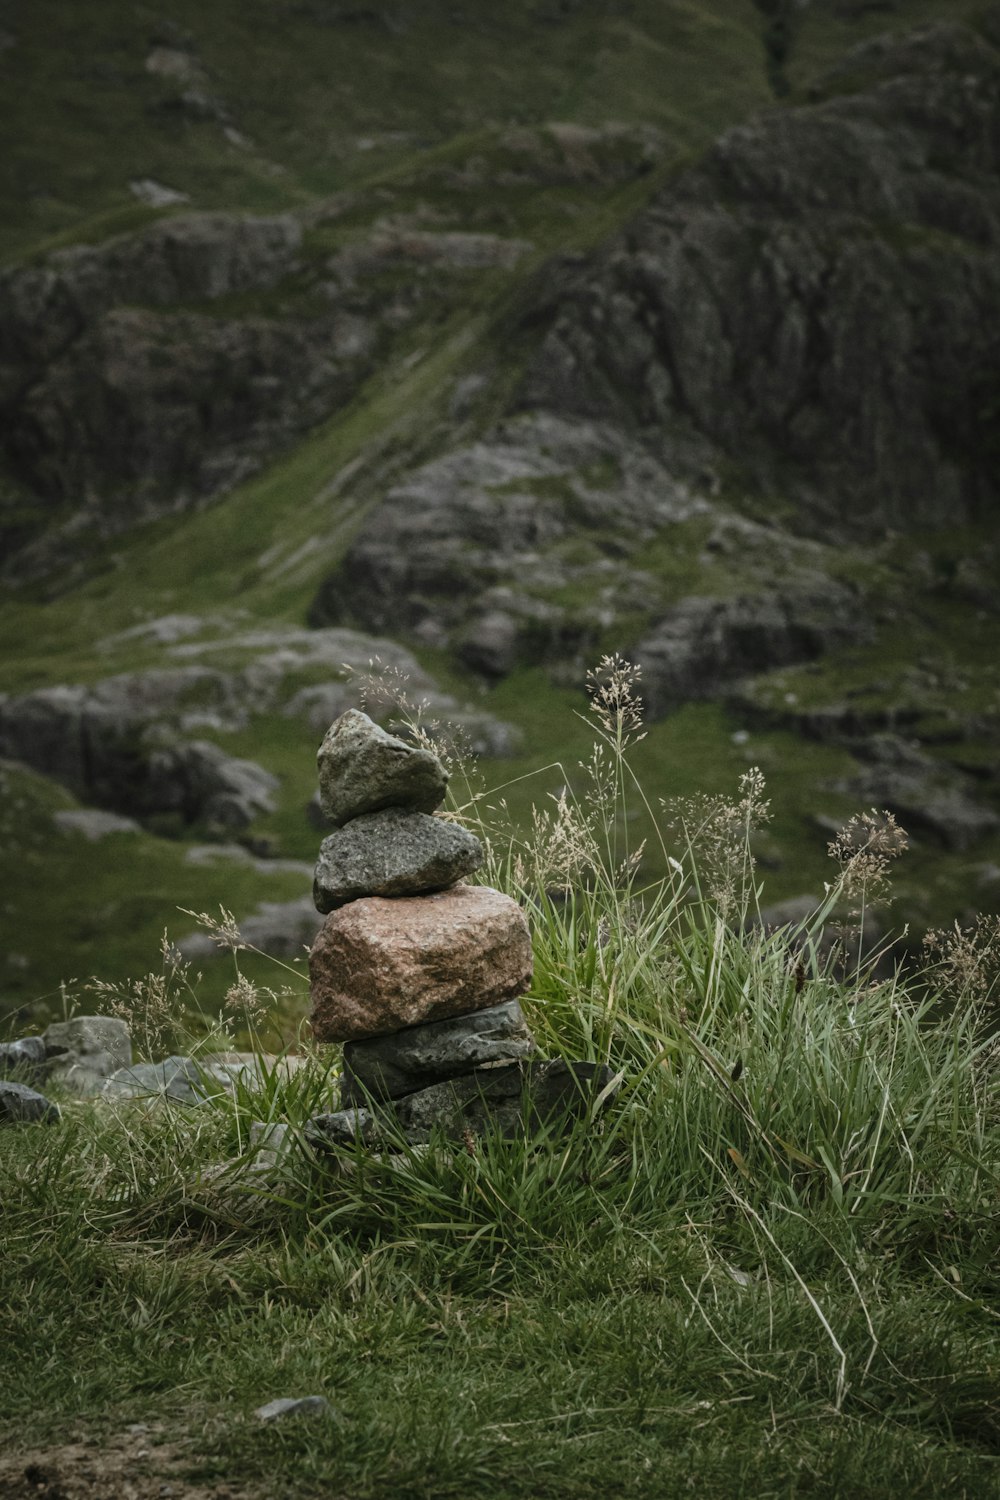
{"type": "Point", "coordinates": [392, 853]}
{"type": "Point", "coordinates": [387, 1067]}
{"type": "Point", "coordinates": [379, 965]}
{"type": "Point", "coordinates": [509, 1101]}
{"type": "Point", "coordinates": [363, 769]}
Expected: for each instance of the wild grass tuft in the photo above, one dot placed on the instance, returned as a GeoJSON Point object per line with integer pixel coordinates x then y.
{"type": "Point", "coordinates": [770, 1266]}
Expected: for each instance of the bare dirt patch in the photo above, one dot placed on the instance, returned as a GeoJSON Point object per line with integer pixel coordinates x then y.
{"type": "Point", "coordinates": [134, 1465]}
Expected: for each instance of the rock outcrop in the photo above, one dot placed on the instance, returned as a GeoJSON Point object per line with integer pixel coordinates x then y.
{"type": "Point", "coordinates": [121, 399]}
{"type": "Point", "coordinates": [132, 743]}
{"type": "Point", "coordinates": [819, 298]}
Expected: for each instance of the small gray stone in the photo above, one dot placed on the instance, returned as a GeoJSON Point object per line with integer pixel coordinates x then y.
{"type": "Point", "coordinates": [82, 1053]}
{"type": "Point", "coordinates": [392, 853]}
{"type": "Point", "coordinates": [174, 1078]}
{"type": "Point", "coordinates": [20, 1105]}
{"type": "Point", "coordinates": [344, 1127]}
{"type": "Point", "coordinates": [294, 1406]}
{"type": "Point", "coordinates": [93, 822]}
{"type": "Point", "coordinates": [505, 1101]}
{"type": "Point", "coordinates": [271, 1142]}
{"type": "Point", "coordinates": [388, 1067]}
{"type": "Point", "coordinates": [363, 769]}
{"type": "Point", "coordinates": [26, 1056]}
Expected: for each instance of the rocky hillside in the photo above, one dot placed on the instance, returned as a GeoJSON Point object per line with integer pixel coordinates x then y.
{"type": "Point", "coordinates": [655, 327]}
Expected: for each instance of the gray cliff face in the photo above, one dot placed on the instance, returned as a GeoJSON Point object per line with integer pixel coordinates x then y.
{"type": "Point", "coordinates": [811, 313]}
{"type": "Point", "coordinates": [819, 298]}
{"type": "Point", "coordinates": [127, 391]}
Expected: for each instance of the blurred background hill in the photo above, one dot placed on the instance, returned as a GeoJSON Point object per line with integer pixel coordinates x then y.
{"type": "Point", "coordinates": [480, 342]}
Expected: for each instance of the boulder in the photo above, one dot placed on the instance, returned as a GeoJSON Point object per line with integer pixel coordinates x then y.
{"type": "Point", "coordinates": [81, 1053]}
{"type": "Point", "coordinates": [480, 547]}
{"type": "Point", "coordinates": [387, 1067]}
{"type": "Point", "coordinates": [817, 297]}
{"type": "Point", "coordinates": [392, 853]}
{"type": "Point", "coordinates": [363, 769]}
{"type": "Point", "coordinates": [379, 965]}
{"type": "Point", "coordinates": [20, 1105]}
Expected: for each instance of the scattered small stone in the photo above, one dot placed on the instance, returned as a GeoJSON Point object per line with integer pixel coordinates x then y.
{"type": "Point", "coordinates": [26, 1056]}
{"type": "Point", "coordinates": [294, 1406]}
{"type": "Point", "coordinates": [156, 194]}
{"type": "Point", "coordinates": [392, 853]}
{"type": "Point", "coordinates": [344, 1127]}
{"type": "Point", "coordinates": [363, 769]}
{"type": "Point", "coordinates": [20, 1105]}
{"type": "Point", "coordinates": [83, 1052]}
{"type": "Point", "coordinates": [93, 822]}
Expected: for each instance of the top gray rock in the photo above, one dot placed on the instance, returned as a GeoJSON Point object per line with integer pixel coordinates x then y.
{"type": "Point", "coordinates": [363, 769]}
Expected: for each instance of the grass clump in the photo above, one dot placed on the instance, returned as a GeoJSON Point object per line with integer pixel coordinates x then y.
{"type": "Point", "coordinates": [769, 1268]}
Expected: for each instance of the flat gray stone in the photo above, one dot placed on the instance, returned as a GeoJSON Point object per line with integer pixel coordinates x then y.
{"type": "Point", "coordinates": [25, 1056]}
{"type": "Point", "coordinates": [94, 823]}
{"type": "Point", "coordinates": [506, 1101]}
{"type": "Point", "coordinates": [392, 853]}
{"type": "Point", "coordinates": [363, 769]}
{"type": "Point", "coordinates": [388, 1067]}
{"type": "Point", "coordinates": [174, 1078]}
{"type": "Point", "coordinates": [294, 1406]}
{"type": "Point", "coordinates": [20, 1105]}
{"type": "Point", "coordinates": [81, 1053]}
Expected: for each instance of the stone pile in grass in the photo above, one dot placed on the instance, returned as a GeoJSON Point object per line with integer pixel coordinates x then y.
{"type": "Point", "coordinates": [417, 973]}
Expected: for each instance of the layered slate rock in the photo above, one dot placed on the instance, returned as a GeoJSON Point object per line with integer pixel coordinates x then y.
{"type": "Point", "coordinates": [507, 1101]}
{"type": "Point", "coordinates": [392, 853]}
{"type": "Point", "coordinates": [379, 965]}
{"type": "Point", "coordinates": [388, 1067]}
{"type": "Point", "coordinates": [20, 1105]}
{"type": "Point", "coordinates": [362, 769]}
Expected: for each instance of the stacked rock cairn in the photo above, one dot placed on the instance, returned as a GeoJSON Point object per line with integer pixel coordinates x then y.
{"type": "Point", "coordinates": [417, 973]}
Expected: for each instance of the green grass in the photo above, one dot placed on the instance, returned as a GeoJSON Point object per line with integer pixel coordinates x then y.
{"type": "Point", "coordinates": [770, 1269]}
{"type": "Point", "coordinates": [309, 87]}
{"type": "Point", "coordinates": [80, 909]}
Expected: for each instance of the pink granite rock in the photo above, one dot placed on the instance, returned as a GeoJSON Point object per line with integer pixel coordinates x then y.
{"type": "Point", "coordinates": [380, 964]}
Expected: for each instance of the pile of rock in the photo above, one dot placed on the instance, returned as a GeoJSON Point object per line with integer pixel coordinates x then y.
{"type": "Point", "coordinates": [415, 972]}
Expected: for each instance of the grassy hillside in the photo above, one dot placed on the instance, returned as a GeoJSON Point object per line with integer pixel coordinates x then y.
{"type": "Point", "coordinates": [353, 118]}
